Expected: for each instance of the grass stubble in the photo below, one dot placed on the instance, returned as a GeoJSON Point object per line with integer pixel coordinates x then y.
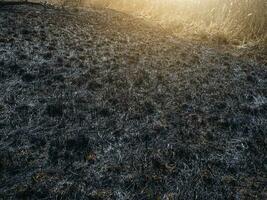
{"type": "Point", "coordinates": [98, 104]}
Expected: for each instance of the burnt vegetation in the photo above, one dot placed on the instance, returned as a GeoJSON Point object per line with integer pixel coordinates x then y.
{"type": "Point", "coordinates": [97, 104]}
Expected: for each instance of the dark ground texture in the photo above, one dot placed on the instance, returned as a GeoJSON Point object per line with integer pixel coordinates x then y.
{"type": "Point", "coordinates": [100, 105]}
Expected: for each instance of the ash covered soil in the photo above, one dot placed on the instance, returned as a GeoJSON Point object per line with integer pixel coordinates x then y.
{"type": "Point", "coordinates": [100, 105]}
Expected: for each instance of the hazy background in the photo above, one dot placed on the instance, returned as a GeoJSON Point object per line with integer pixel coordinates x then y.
{"type": "Point", "coordinates": [227, 20]}
{"type": "Point", "coordinates": [238, 19]}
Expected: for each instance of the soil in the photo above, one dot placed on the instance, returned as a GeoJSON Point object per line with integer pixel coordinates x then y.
{"type": "Point", "coordinates": [96, 104]}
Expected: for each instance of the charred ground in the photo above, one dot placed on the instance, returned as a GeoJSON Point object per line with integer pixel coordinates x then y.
{"type": "Point", "coordinates": [99, 105]}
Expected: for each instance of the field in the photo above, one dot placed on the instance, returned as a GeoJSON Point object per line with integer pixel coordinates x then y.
{"type": "Point", "coordinates": [99, 104]}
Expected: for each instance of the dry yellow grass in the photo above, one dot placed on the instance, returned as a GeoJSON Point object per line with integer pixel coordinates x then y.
{"type": "Point", "coordinates": [231, 19]}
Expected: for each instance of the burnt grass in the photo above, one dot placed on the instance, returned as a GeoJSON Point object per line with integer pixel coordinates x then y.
{"type": "Point", "coordinates": [99, 105]}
